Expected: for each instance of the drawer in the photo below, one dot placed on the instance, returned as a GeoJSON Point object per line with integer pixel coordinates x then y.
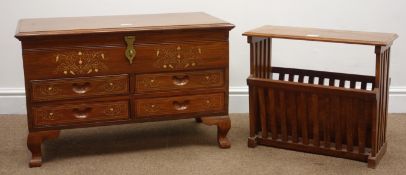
{"type": "Point", "coordinates": [52, 115]}
{"type": "Point", "coordinates": [205, 103]}
{"type": "Point", "coordinates": [52, 63]}
{"type": "Point", "coordinates": [79, 87]}
{"type": "Point", "coordinates": [182, 56]}
{"type": "Point", "coordinates": [179, 81]}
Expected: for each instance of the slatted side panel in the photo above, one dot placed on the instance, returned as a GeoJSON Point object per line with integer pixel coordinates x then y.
{"type": "Point", "coordinates": [382, 68]}
{"type": "Point", "coordinates": [328, 121]}
{"type": "Point", "coordinates": [261, 58]}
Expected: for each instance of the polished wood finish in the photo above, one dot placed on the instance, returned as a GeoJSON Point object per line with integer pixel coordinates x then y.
{"type": "Point", "coordinates": [324, 35]}
{"type": "Point", "coordinates": [335, 114]}
{"type": "Point", "coordinates": [152, 107]}
{"type": "Point", "coordinates": [68, 88]}
{"type": "Point", "coordinates": [179, 80]}
{"type": "Point", "coordinates": [97, 71]}
{"type": "Point", "coordinates": [223, 126]}
{"type": "Point", "coordinates": [123, 23]}
{"type": "Point", "coordinates": [34, 142]}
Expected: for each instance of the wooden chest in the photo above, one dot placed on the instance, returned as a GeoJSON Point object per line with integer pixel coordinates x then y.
{"type": "Point", "coordinates": [93, 71]}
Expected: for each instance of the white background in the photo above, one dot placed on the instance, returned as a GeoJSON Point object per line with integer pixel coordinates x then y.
{"type": "Point", "coordinates": [362, 15]}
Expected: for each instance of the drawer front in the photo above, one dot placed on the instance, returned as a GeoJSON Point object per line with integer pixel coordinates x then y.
{"type": "Point", "coordinates": [109, 60]}
{"type": "Point", "coordinates": [180, 105]}
{"type": "Point", "coordinates": [79, 87]}
{"type": "Point", "coordinates": [181, 56]}
{"type": "Point", "coordinates": [179, 81]}
{"type": "Point", "coordinates": [52, 115]}
{"type": "Point", "coordinates": [74, 62]}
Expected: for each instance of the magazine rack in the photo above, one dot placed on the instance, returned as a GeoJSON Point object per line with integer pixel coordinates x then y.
{"type": "Point", "coordinates": [335, 114]}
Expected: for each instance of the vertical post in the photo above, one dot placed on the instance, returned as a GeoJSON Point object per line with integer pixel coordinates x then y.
{"type": "Point", "coordinates": [376, 106]}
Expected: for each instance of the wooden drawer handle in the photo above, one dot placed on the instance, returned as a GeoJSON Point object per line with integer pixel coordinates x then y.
{"type": "Point", "coordinates": [181, 106]}
{"type": "Point", "coordinates": [81, 88]}
{"type": "Point", "coordinates": [180, 80]}
{"type": "Point", "coordinates": [81, 113]}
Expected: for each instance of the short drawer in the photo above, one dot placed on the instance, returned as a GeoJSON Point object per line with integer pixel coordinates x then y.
{"type": "Point", "coordinates": [52, 115]}
{"type": "Point", "coordinates": [179, 81]}
{"type": "Point", "coordinates": [179, 105]}
{"type": "Point", "coordinates": [43, 90]}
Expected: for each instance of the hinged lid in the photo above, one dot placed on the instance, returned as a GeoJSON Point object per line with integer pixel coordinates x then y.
{"type": "Point", "coordinates": [100, 24]}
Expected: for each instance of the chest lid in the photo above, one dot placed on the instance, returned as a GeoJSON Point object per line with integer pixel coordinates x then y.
{"type": "Point", "coordinates": [109, 24]}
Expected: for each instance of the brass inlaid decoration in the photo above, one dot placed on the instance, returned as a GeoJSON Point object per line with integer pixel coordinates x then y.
{"type": "Point", "coordinates": [150, 82]}
{"type": "Point", "coordinates": [47, 115]}
{"type": "Point", "coordinates": [115, 109]}
{"type": "Point", "coordinates": [48, 90]}
{"type": "Point", "coordinates": [151, 108]}
{"type": "Point", "coordinates": [210, 78]}
{"type": "Point", "coordinates": [80, 62]}
{"type": "Point", "coordinates": [115, 86]}
{"type": "Point", "coordinates": [178, 58]}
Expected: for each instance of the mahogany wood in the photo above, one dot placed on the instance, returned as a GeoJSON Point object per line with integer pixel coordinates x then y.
{"type": "Point", "coordinates": [96, 71]}
{"type": "Point", "coordinates": [336, 114]}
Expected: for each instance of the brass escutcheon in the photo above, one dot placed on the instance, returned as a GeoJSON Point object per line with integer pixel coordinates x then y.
{"type": "Point", "coordinates": [130, 51]}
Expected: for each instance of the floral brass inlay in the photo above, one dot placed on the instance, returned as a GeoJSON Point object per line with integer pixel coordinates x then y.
{"type": "Point", "coordinates": [47, 115]}
{"type": "Point", "coordinates": [80, 62]}
{"type": "Point", "coordinates": [213, 102]}
{"type": "Point", "coordinates": [179, 58]}
{"type": "Point", "coordinates": [114, 86]}
{"type": "Point", "coordinates": [151, 108]}
{"type": "Point", "coordinates": [49, 90]}
{"type": "Point", "coordinates": [116, 109]}
{"type": "Point", "coordinates": [150, 82]}
{"type": "Point", "coordinates": [210, 78]}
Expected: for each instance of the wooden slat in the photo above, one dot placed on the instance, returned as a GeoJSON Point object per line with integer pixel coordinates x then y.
{"type": "Point", "coordinates": [291, 77]}
{"type": "Point", "coordinates": [321, 80]}
{"type": "Point", "coordinates": [282, 114]}
{"type": "Point", "coordinates": [292, 115]}
{"type": "Point", "coordinates": [349, 125]}
{"type": "Point", "coordinates": [281, 76]}
{"type": "Point", "coordinates": [301, 78]}
{"type": "Point", "coordinates": [315, 119]}
{"type": "Point", "coordinates": [272, 113]}
{"type": "Point", "coordinates": [387, 93]}
{"type": "Point", "coordinates": [342, 83]}
{"type": "Point", "coordinates": [336, 106]}
{"type": "Point", "coordinates": [252, 58]}
{"type": "Point", "coordinates": [364, 85]}
{"type": "Point", "coordinates": [362, 117]}
{"type": "Point", "coordinates": [302, 111]}
{"type": "Point", "coordinates": [311, 79]}
{"type": "Point", "coordinates": [269, 56]}
{"type": "Point", "coordinates": [262, 110]}
{"type": "Point", "coordinates": [331, 82]}
{"type": "Point", "coordinates": [260, 59]}
{"type": "Point", "coordinates": [325, 120]}
{"type": "Point", "coordinates": [252, 111]}
{"type": "Point", "coordinates": [256, 59]}
{"type": "Point", "coordinates": [352, 84]}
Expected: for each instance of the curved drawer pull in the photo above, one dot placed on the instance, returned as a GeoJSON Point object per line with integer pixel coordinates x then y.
{"type": "Point", "coordinates": [81, 88]}
{"type": "Point", "coordinates": [180, 80]}
{"type": "Point", "coordinates": [81, 113]}
{"type": "Point", "coordinates": [181, 106]}
{"type": "Point", "coordinates": [130, 51]}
